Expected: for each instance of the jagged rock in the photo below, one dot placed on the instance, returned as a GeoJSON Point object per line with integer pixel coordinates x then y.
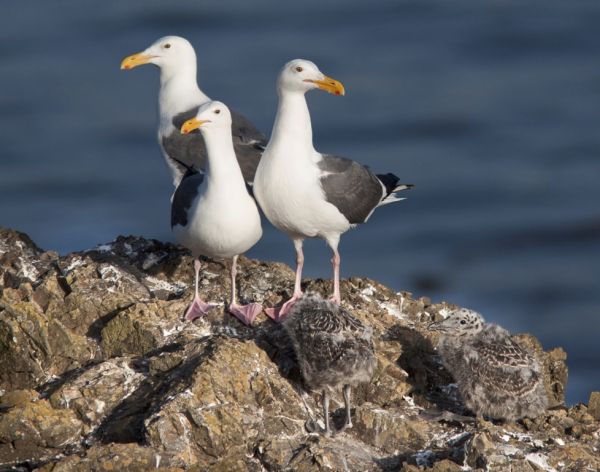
{"type": "Point", "coordinates": [141, 328]}
{"type": "Point", "coordinates": [94, 392]}
{"type": "Point", "coordinates": [594, 405]}
{"type": "Point", "coordinates": [34, 346]}
{"type": "Point", "coordinates": [31, 430]}
{"type": "Point", "coordinates": [123, 383]}
{"type": "Point", "coordinates": [114, 458]}
{"type": "Point", "coordinates": [231, 397]}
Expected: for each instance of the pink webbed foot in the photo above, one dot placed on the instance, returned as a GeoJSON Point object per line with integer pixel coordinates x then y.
{"type": "Point", "coordinates": [245, 313]}
{"type": "Point", "coordinates": [278, 314]}
{"type": "Point", "coordinates": [198, 308]}
{"type": "Point", "coordinates": [336, 300]}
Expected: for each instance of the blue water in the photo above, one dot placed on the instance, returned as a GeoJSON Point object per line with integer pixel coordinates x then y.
{"type": "Point", "coordinates": [491, 108]}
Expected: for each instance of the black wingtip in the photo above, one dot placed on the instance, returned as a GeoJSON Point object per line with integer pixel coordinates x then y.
{"type": "Point", "coordinates": [392, 183]}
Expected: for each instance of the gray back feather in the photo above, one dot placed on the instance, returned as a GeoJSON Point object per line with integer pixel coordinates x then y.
{"type": "Point", "coordinates": [189, 149]}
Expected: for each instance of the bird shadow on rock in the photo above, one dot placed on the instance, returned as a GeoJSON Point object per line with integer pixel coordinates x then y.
{"type": "Point", "coordinates": [125, 423]}
{"type": "Point", "coordinates": [276, 343]}
{"type": "Point", "coordinates": [431, 383]}
{"type": "Point", "coordinates": [95, 329]}
{"type": "Point", "coordinates": [47, 389]}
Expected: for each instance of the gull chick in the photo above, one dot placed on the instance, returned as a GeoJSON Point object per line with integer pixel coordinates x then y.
{"type": "Point", "coordinates": [496, 377]}
{"type": "Point", "coordinates": [333, 348]}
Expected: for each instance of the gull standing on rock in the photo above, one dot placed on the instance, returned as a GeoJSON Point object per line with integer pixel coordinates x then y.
{"type": "Point", "coordinates": [307, 194]}
{"type": "Point", "coordinates": [213, 214]}
{"type": "Point", "coordinates": [333, 348]}
{"type": "Point", "coordinates": [178, 100]}
{"type": "Point", "coordinates": [495, 376]}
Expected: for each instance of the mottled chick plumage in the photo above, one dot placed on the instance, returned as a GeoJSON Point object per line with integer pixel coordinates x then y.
{"type": "Point", "coordinates": [496, 377]}
{"type": "Point", "coordinates": [333, 348]}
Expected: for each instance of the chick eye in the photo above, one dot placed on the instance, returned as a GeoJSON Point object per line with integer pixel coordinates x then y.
{"type": "Point", "coordinates": [463, 322]}
{"type": "Point", "coordinates": [217, 111]}
{"type": "Point", "coordinates": [167, 46]}
{"type": "Point", "coordinates": [299, 69]}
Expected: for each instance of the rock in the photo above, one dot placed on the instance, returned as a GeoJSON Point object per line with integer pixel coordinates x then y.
{"type": "Point", "coordinates": [594, 405]}
{"type": "Point", "coordinates": [98, 371]}
{"type": "Point", "coordinates": [391, 430]}
{"type": "Point", "coordinates": [34, 347]}
{"type": "Point", "coordinates": [94, 392]}
{"type": "Point", "coordinates": [31, 430]}
{"type": "Point", "coordinates": [222, 404]}
{"type": "Point", "coordinates": [114, 458]}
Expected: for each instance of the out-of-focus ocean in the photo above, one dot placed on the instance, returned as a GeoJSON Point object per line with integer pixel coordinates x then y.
{"type": "Point", "coordinates": [491, 108]}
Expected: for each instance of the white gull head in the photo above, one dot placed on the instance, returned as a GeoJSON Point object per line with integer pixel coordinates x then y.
{"type": "Point", "coordinates": [301, 76]}
{"type": "Point", "coordinates": [211, 116]}
{"type": "Point", "coordinates": [171, 53]}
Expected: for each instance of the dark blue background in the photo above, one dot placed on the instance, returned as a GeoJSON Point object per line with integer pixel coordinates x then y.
{"type": "Point", "coordinates": [491, 108]}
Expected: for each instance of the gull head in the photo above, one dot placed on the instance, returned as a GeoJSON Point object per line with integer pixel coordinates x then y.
{"type": "Point", "coordinates": [301, 75]}
{"type": "Point", "coordinates": [169, 52]}
{"type": "Point", "coordinates": [461, 323]}
{"type": "Point", "coordinates": [211, 115]}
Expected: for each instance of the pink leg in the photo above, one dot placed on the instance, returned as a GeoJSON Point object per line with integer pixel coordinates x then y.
{"type": "Point", "coordinates": [198, 307]}
{"type": "Point", "coordinates": [333, 243]}
{"type": "Point", "coordinates": [245, 313]}
{"type": "Point", "coordinates": [335, 261]}
{"type": "Point", "coordinates": [277, 314]}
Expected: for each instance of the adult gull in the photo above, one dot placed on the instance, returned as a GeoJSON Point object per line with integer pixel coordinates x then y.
{"type": "Point", "coordinates": [212, 213]}
{"type": "Point", "coordinates": [305, 193]}
{"type": "Point", "coordinates": [178, 100]}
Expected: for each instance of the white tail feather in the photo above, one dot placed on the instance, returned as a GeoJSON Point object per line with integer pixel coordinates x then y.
{"type": "Point", "coordinates": [391, 198]}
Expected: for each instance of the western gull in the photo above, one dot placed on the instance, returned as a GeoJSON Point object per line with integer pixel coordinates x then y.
{"type": "Point", "coordinates": [333, 348]}
{"type": "Point", "coordinates": [305, 193]}
{"type": "Point", "coordinates": [496, 377]}
{"type": "Point", "coordinates": [212, 213]}
{"type": "Point", "coordinates": [178, 100]}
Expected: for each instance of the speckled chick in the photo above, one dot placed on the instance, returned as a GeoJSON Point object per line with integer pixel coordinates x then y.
{"type": "Point", "coordinates": [496, 377]}
{"type": "Point", "coordinates": [333, 348]}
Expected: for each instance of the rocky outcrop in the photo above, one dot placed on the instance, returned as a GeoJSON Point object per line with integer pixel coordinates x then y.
{"type": "Point", "coordinates": [98, 371]}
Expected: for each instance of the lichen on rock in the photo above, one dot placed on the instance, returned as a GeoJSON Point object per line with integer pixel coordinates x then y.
{"type": "Point", "coordinates": [98, 371]}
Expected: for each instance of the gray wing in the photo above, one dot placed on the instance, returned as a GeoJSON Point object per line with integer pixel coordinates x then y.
{"type": "Point", "coordinates": [185, 151]}
{"type": "Point", "coordinates": [351, 187]}
{"type": "Point", "coordinates": [184, 197]}
{"type": "Point", "coordinates": [189, 150]}
{"type": "Point", "coordinates": [249, 144]}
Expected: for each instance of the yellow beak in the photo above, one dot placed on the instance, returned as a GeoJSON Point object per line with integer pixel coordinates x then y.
{"type": "Point", "coordinates": [330, 85]}
{"type": "Point", "coordinates": [135, 60]}
{"type": "Point", "coordinates": [191, 125]}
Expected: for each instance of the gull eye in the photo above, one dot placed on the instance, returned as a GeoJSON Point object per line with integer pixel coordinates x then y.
{"type": "Point", "coordinates": [167, 46]}
{"type": "Point", "coordinates": [299, 69]}
{"type": "Point", "coordinates": [462, 322]}
{"type": "Point", "coordinates": [217, 111]}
